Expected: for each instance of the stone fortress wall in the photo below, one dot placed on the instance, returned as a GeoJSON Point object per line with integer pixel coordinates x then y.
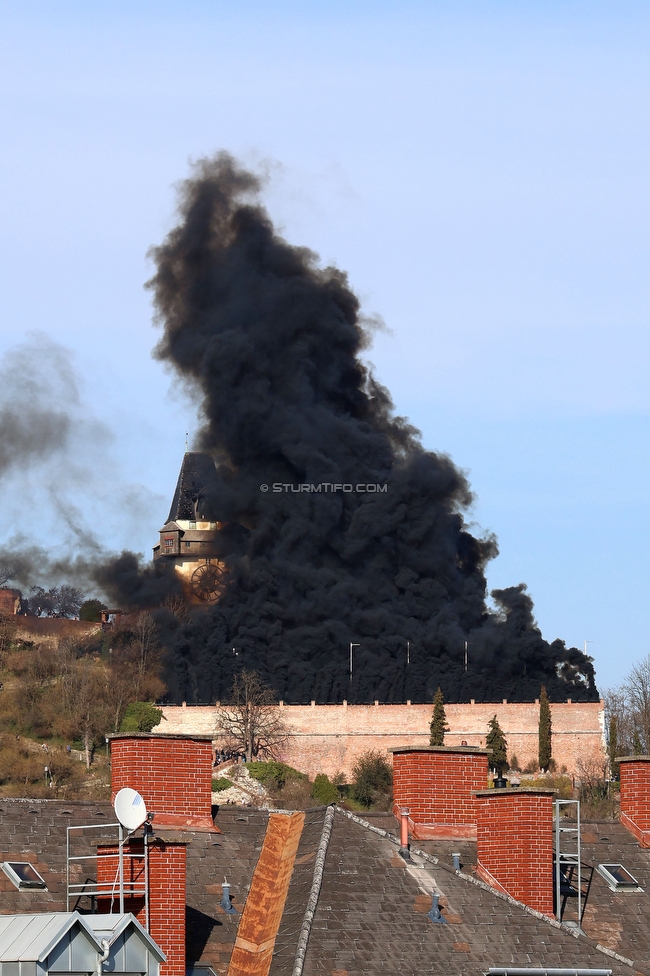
{"type": "Point", "coordinates": [329, 738]}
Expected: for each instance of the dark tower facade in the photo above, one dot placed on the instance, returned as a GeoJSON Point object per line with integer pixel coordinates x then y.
{"type": "Point", "coordinates": [188, 539]}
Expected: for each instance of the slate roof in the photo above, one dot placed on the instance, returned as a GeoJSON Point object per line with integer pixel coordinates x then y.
{"type": "Point", "coordinates": [370, 916]}
{"type": "Point", "coordinates": [196, 475]}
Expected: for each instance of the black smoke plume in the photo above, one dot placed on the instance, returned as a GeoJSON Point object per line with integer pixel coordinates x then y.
{"type": "Point", "coordinates": [269, 344]}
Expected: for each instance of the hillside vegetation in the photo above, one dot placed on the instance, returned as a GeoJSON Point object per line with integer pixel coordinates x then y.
{"type": "Point", "coordinates": [60, 698]}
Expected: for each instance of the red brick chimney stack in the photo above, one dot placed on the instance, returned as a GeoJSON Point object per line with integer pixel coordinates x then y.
{"type": "Point", "coordinates": [167, 884]}
{"type": "Point", "coordinates": [514, 844]}
{"type": "Point", "coordinates": [173, 774]}
{"type": "Point", "coordinates": [436, 784]}
{"type": "Point", "coordinates": [635, 796]}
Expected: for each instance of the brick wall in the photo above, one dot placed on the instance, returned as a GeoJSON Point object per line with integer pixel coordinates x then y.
{"type": "Point", "coordinates": [330, 738]}
{"type": "Point", "coordinates": [167, 894]}
{"type": "Point", "coordinates": [172, 773]}
{"type": "Point", "coordinates": [514, 844]}
{"type": "Point", "coordinates": [635, 796]}
{"type": "Point", "coordinates": [436, 785]}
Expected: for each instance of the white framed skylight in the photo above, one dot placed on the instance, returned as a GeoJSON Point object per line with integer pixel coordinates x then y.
{"type": "Point", "coordinates": [23, 874]}
{"type": "Point", "coordinates": [618, 877]}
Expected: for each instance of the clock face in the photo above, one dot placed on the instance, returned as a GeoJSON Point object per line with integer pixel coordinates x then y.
{"type": "Point", "coordinates": [207, 581]}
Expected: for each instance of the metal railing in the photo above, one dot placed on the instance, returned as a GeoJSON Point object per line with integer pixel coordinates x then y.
{"type": "Point", "coordinates": [567, 860]}
{"type": "Point", "coordinates": [92, 888]}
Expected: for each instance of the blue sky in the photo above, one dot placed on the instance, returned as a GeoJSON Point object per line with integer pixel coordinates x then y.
{"type": "Point", "coordinates": [479, 169]}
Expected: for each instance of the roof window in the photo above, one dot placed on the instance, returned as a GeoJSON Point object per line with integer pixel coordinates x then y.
{"type": "Point", "coordinates": [618, 878]}
{"type": "Point", "coordinates": [23, 874]}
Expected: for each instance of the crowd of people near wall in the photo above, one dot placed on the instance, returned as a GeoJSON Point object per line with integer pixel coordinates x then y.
{"type": "Point", "coordinates": [228, 755]}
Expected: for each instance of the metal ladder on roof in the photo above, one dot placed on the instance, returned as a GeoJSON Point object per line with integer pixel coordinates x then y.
{"type": "Point", "coordinates": [567, 856]}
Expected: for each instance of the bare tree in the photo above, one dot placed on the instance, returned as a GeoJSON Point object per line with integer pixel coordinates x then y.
{"type": "Point", "coordinates": [7, 571]}
{"type": "Point", "coordinates": [252, 720]}
{"type": "Point", "coordinates": [637, 691]}
{"type": "Point", "coordinates": [58, 601]}
{"type": "Point", "coordinates": [7, 632]}
{"type": "Point", "coordinates": [176, 605]}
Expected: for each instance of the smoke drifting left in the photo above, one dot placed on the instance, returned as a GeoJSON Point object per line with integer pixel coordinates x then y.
{"type": "Point", "coordinates": [54, 457]}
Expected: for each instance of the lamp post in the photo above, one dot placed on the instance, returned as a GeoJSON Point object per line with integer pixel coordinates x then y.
{"type": "Point", "coordinates": [352, 646]}
{"type": "Point", "coordinates": [468, 644]}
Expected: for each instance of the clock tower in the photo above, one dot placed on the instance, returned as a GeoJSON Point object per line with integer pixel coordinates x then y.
{"type": "Point", "coordinates": [189, 539]}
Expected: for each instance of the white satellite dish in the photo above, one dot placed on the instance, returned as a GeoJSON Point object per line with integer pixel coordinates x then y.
{"type": "Point", "coordinates": [129, 808]}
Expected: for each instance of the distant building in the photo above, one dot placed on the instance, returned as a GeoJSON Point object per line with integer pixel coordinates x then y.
{"type": "Point", "coordinates": [10, 601]}
{"type": "Point", "coordinates": [189, 539]}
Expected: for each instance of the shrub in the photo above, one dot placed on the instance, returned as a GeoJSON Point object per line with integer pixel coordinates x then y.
{"type": "Point", "coordinates": [140, 717]}
{"type": "Point", "coordinates": [91, 610]}
{"type": "Point", "coordinates": [323, 790]}
{"type": "Point", "coordinates": [222, 783]}
{"type": "Point", "coordinates": [274, 775]}
{"type": "Point", "coordinates": [372, 780]}
{"type": "Point", "coordinates": [562, 784]}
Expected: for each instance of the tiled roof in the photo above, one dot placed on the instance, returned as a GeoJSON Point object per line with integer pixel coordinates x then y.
{"type": "Point", "coordinates": [371, 912]}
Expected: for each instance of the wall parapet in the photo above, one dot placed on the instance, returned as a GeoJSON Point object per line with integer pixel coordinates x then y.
{"type": "Point", "coordinates": [330, 738]}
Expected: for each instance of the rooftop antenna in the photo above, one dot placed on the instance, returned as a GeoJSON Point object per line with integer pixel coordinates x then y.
{"type": "Point", "coordinates": [408, 653]}
{"type": "Point", "coordinates": [131, 812]}
{"type": "Point", "coordinates": [187, 446]}
{"type": "Point", "coordinates": [587, 642]}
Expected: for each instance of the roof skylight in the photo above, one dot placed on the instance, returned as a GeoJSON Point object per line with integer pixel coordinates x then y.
{"type": "Point", "coordinates": [23, 874]}
{"type": "Point", "coordinates": [618, 878]}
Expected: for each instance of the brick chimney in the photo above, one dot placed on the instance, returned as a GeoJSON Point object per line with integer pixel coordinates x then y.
{"type": "Point", "coordinates": [635, 796]}
{"type": "Point", "coordinates": [514, 844]}
{"type": "Point", "coordinates": [173, 773]}
{"type": "Point", "coordinates": [167, 884]}
{"type": "Point", "coordinates": [436, 784]}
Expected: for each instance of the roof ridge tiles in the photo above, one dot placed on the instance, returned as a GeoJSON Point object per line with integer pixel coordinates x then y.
{"type": "Point", "coordinates": [640, 969]}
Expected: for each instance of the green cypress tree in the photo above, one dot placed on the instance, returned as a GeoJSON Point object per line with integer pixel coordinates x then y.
{"type": "Point", "coordinates": [612, 747]}
{"type": "Point", "coordinates": [545, 731]}
{"type": "Point", "coordinates": [496, 741]}
{"type": "Point", "coordinates": [438, 725]}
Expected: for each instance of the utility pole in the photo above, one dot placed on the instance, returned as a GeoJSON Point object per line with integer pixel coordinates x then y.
{"type": "Point", "coordinates": [351, 647]}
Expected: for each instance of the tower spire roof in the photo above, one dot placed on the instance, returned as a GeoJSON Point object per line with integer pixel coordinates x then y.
{"type": "Point", "coordinates": [196, 474]}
